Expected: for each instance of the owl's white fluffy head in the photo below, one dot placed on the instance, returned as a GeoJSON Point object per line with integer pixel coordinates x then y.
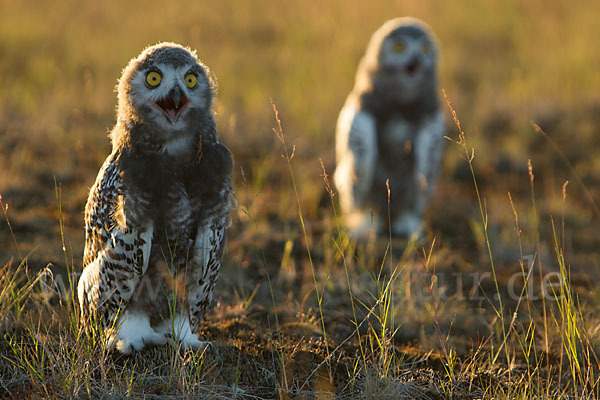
{"type": "Point", "coordinates": [165, 87]}
{"type": "Point", "coordinates": [401, 57]}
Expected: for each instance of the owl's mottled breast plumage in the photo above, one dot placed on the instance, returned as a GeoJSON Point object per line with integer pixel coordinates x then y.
{"type": "Point", "coordinates": [178, 192]}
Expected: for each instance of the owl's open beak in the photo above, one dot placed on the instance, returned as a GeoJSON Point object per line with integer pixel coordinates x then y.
{"type": "Point", "coordinates": [412, 67]}
{"type": "Point", "coordinates": [173, 104]}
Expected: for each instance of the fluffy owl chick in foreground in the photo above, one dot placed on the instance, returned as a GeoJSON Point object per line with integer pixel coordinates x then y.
{"type": "Point", "coordinates": [391, 128]}
{"type": "Point", "coordinates": [157, 216]}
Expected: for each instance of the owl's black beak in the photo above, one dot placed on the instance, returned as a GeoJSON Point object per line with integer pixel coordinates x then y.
{"type": "Point", "coordinates": [173, 104]}
{"type": "Point", "coordinates": [413, 66]}
{"type": "Point", "coordinates": [175, 95]}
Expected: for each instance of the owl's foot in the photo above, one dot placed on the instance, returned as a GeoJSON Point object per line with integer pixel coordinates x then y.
{"type": "Point", "coordinates": [193, 342]}
{"type": "Point", "coordinates": [133, 333]}
{"type": "Point", "coordinates": [180, 331]}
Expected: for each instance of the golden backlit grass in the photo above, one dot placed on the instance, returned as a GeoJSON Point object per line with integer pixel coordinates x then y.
{"type": "Point", "coordinates": [411, 325]}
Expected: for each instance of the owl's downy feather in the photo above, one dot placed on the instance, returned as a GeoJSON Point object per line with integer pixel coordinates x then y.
{"type": "Point", "coordinates": [157, 216]}
{"type": "Point", "coordinates": [389, 135]}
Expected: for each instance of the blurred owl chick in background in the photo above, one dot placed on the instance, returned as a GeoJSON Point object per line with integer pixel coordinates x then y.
{"type": "Point", "coordinates": [390, 133]}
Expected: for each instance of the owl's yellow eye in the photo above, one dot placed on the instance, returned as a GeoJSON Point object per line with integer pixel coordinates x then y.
{"type": "Point", "coordinates": [190, 80]}
{"type": "Point", "coordinates": [153, 78]}
{"type": "Point", "coordinates": [426, 48]}
{"type": "Point", "coordinates": [399, 47]}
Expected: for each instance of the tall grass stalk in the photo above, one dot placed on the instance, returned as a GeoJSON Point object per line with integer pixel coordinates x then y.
{"type": "Point", "coordinates": [527, 344]}
{"type": "Point", "coordinates": [342, 252]}
{"type": "Point", "coordinates": [449, 354]}
{"type": "Point", "coordinates": [277, 345]}
{"type": "Point", "coordinates": [72, 303]}
{"type": "Point", "coordinates": [589, 197]}
{"type": "Point", "coordinates": [12, 233]}
{"type": "Point", "coordinates": [288, 158]}
{"type": "Point", "coordinates": [536, 223]}
{"type": "Point", "coordinates": [383, 332]}
{"type": "Point", "coordinates": [469, 155]}
{"type": "Point", "coordinates": [12, 291]}
{"type": "Point", "coordinates": [571, 326]}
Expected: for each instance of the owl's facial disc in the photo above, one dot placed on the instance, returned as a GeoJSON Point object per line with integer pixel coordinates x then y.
{"type": "Point", "coordinates": [173, 104]}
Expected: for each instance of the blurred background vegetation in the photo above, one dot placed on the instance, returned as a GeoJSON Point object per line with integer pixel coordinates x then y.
{"type": "Point", "coordinates": [504, 63]}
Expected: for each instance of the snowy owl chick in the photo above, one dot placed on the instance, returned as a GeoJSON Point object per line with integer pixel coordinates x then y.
{"type": "Point", "coordinates": [391, 130]}
{"type": "Point", "coordinates": [157, 216]}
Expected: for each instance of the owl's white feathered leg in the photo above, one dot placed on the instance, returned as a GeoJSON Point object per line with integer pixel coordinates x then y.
{"type": "Point", "coordinates": [133, 332]}
{"type": "Point", "coordinates": [202, 276]}
{"type": "Point", "coordinates": [359, 222]}
{"type": "Point", "coordinates": [356, 150]}
{"type": "Point", "coordinates": [408, 224]}
{"type": "Point", "coordinates": [428, 148]}
{"type": "Point", "coordinates": [180, 330]}
{"type": "Point", "coordinates": [108, 283]}
{"type": "Point", "coordinates": [208, 251]}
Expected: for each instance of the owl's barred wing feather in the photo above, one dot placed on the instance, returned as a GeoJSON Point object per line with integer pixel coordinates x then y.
{"type": "Point", "coordinates": [208, 250]}
{"type": "Point", "coordinates": [356, 151]}
{"type": "Point", "coordinates": [108, 282]}
{"type": "Point", "coordinates": [116, 254]}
